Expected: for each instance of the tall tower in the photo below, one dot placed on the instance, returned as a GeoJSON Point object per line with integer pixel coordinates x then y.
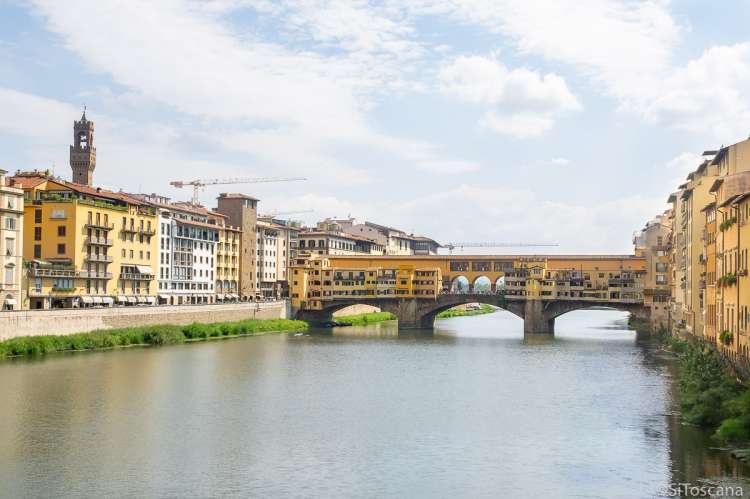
{"type": "Point", "coordinates": [83, 152]}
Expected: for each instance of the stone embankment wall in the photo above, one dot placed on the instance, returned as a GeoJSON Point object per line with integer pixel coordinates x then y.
{"type": "Point", "coordinates": [69, 321]}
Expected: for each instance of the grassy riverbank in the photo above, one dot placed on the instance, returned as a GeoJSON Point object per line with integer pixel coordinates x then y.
{"type": "Point", "coordinates": [483, 309]}
{"type": "Point", "coordinates": [711, 395]}
{"type": "Point", "coordinates": [367, 318]}
{"type": "Point", "coordinates": [143, 336]}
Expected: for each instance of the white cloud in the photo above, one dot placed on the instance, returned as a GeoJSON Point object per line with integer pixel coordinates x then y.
{"type": "Point", "coordinates": [522, 103]}
{"type": "Point", "coordinates": [709, 94]}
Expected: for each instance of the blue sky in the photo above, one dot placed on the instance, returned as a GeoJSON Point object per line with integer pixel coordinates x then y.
{"type": "Point", "coordinates": [489, 120]}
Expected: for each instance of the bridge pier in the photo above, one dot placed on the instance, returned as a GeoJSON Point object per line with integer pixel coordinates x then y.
{"type": "Point", "coordinates": [534, 319]}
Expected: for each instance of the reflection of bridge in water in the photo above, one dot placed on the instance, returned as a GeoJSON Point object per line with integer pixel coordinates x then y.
{"type": "Point", "coordinates": [538, 289]}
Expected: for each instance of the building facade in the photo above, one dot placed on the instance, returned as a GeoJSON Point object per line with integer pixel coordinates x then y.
{"type": "Point", "coordinates": [86, 246]}
{"type": "Point", "coordinates": [276, 242]}
{"type": "Point", "coordinates": [241, 211]}
{"type": "Point", "coordinates": [11, 238]}
{"type": "Point", "coordinates": [653, 243]}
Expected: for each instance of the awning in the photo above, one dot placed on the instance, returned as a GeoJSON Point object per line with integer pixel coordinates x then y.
{"type": "Point", "coordinates": [107, 300]}
{"type": "Point", "coordinates": [87, 299]}
{"type": "Point", "coordinates": [144, 269]}
{"type": "Point", "coordinates": [10, 301]}
{"type": "Point", "coordinates": [98, 299]}
{"type": "Point", "coordinates": [141, 299]}
{"type": "Point", "coordinates": [151, 300]}
{"type": "Point", "coordinates": [164, 297]}
{"type": "Point", "coordinates": [219, 297]}
{"type": "Point", "coordinates": [122, 299]}
{"type": "Point", "coordinates": [131, 299]}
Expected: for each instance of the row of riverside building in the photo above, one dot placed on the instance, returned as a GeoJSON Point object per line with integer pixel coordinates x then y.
{"type": "Point", "coordinates": [70, 244]}
{"type": "Point", "coordinates": [697, 251]}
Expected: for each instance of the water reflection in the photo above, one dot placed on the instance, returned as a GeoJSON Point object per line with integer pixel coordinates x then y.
{"type": "Point", "coordinates": [473, 410]}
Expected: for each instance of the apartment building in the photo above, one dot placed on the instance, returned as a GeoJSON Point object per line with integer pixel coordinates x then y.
{"type": "Point", "coordinates": [242, 212]}
{"type": "Point", "coordinates": [188, 248]}
{"type": "Point", "coordinates": [333, 242]}
{"type": "Point", "coordinates": [228, 254]}
{"type": "Point", "coordinates": [653, 243]}
{"type": "Point", "coordinates": [86, 246]}
{"type": "Point", "coordinates": [392, 241]}
{"type": "Point", "coordinates": [276, 242]}
{"type": "Point", "coordinates": [11, 238]}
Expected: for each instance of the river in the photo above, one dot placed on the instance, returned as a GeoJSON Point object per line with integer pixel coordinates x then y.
{"type": "Point", "coordinates": [470, 411]}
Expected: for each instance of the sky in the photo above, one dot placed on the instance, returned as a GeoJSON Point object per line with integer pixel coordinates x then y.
{"type": "Point", "coordinates": [565, 121]}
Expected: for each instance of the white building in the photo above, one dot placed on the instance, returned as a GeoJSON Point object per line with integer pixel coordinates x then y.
{"type": "Point", "coordinates": [188, 243]}
{"type": "Point", "coordinates": [11, 239]}
{"type": "Point", "coordinates": [276, 243]}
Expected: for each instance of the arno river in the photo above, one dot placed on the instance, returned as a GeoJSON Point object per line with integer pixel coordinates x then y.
{"type": "Point", "coordinates": [471, 411]}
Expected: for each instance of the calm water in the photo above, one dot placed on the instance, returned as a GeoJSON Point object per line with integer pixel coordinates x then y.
{"type": "Point", "coordinates": [471, 411]}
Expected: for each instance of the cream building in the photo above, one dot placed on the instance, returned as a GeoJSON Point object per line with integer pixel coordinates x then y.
{"type": "Point", "coordinates": [652, 242]}
{"type": "Point", "coordinates": [11, 238]}
{"type": "Point", "coordinates": [276, 243]}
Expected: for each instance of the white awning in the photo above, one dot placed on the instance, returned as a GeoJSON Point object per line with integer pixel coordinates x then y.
{"type": "Point", "coordinates": [10, 301]}
{"type": "Point", "coordinates": [151, 299]}
{"type": "Point", "coordinates": [131, 299]}
{"type": "Point", "coordinates": [164, 297]}
{"type": "Point", "coordinates": [219, 297]}
{"type": "Point", "coordinates": [122, 299]}
{"type": "Point", "coordinates": [141, 299]}
{"type": "Point", "coordinates": [107, 300]}
{"type": "Point", "coordinates": [98, 299]}
{"type": "Point", "coordinates": [144, 269]}
{"type": "Point", "coordinates": [87, 299]}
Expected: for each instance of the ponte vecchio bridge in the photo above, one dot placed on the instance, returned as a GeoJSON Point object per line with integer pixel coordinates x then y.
{"type": "Point", "coordinates": [536, 288]}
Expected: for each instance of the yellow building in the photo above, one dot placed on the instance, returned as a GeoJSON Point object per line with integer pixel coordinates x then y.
{"type": "Point", "coordinates": [314, 282]}
{"type": "Point", "coordinates": [652, 242]}
{"type": "Point", "coordinates": [86, 246]}
{"type": "Point", "coordinates": [228, 263]}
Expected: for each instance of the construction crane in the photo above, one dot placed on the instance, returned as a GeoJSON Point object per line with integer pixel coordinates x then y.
{"type": "Point", "coordinates": [201, 183]}
{"type": "Point", "coordinates": [452, 246]}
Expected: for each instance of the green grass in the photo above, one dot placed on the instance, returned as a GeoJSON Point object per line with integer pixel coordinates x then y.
{"type": "Point", "coordinates": [143, 336]}
{"type": "Point", "coordinates": [367, 318]}
{"type": "Point", "coordinates": [483, 309]}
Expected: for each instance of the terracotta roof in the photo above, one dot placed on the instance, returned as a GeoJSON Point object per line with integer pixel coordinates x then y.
{"type": "Point", "coordinates": [28, 182]}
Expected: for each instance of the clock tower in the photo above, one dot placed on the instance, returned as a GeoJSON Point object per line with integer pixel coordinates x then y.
{"type": "Point", "coordinates": [83, 152]}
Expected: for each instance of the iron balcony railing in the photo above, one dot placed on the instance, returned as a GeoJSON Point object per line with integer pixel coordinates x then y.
{"type": "Point", "coordinates": [135, 276]}
{"type": "Point", "coordinates": [54, 273]}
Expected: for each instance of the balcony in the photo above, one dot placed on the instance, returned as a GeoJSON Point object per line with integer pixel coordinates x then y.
{"type": "Point", "coordinates": [98, 225]}
{"type": "Point", "coordinates": [135, 276]}
{"type": "Point", "coordinates": [54, 272]}
{"type": "Point", "coordinates": [139, 230]}
{"type": "Point", "coordinates": [99, 241]}
{"type": "Point", "coordinates": [87, 274]}
{"type": "Point", "coordinates": [98, 258]}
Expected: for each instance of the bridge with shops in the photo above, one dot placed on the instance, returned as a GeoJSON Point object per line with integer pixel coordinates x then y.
{"type": "Point", "coordinates": [538, 289]}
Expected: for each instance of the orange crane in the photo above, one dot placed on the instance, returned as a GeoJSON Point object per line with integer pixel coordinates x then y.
{"type": "Point", "coordinates": [452, 246]}
{"type": "Point", "coordinates": [201, 183]}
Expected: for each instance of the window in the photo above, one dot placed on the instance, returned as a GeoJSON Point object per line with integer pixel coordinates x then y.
{"type": "Point", "coordinates": [10, 246]}
{"type": "Point", "coordinates": [10, 223]}
{"type": "Point", "coordinates": [60, 249]}
{"type": "Point", "coordinates": [9, 275]}
{"type": "Point", "coordinates": [37, 233]}
{"type": "Point", "coordinates": [61, 230]}
{"type": "Point", "coordinates": [37, 216]}
{"type": "Point", "coordinates": [37, 251]}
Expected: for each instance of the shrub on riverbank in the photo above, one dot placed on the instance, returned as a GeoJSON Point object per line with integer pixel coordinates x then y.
{"type": "Point", "coordinates": [143, 335]}
{"type": "Point", "coordinates": [367, 318]}
{"type": "Point", "coordinates": [457, 312]}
